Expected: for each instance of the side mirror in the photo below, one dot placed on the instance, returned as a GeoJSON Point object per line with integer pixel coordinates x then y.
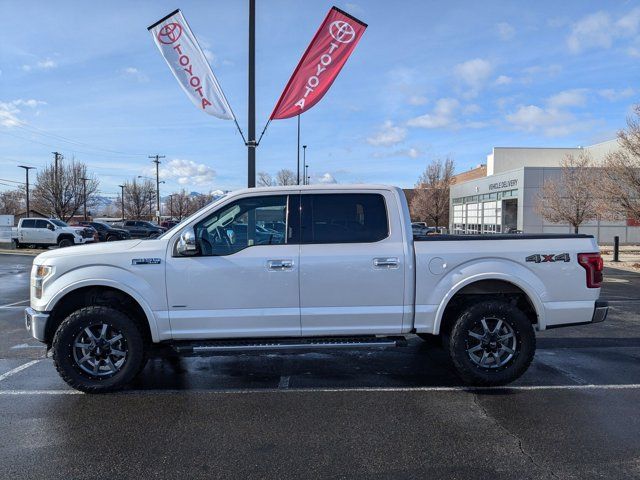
{"type": "Point", "coordinates": [187, 245]}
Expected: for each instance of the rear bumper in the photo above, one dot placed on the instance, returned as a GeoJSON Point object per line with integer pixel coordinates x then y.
{"type": "Point", "coordinates": [600, 311]}
{"type": "Point", "coordinates": [36, 323]}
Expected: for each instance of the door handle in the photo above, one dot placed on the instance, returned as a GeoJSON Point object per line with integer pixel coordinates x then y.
{"type": "Point", "coordinates": [280, 264]}
{"type": "Point", "coordinates": [386, 262]}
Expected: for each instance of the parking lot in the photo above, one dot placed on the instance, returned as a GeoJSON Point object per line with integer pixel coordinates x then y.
{"type": "Point", "coordinates": [394, 413]}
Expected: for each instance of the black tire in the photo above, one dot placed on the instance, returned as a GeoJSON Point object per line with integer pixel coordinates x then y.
{"type": "Point", "coordinates": [65, 242]}
{"type": "Point", "coordinates": [460, 341]}
{"type": "Point", "coordinates": [111, 238]}
{"type": "Point", "coordinates": [70, 369]}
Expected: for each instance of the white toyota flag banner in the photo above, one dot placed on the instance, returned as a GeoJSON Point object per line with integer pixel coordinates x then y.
{"type": "Point", "coordinates": [187, 61]}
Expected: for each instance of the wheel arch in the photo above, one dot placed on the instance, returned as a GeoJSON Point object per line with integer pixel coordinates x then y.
{"type": "Point", "coordinates": [100, 293]}
{"type": "Point", "coordinates": [475, 287]}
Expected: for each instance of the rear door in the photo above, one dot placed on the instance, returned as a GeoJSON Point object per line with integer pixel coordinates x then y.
{"type": "Point", "coordinates": [351, 264]}
{"type": "Point", "coordinates": [27, 232]}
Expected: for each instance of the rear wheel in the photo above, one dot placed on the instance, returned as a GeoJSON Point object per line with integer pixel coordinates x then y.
{"type": "Point", "coordinates": [111, 238]}
{"type": "Point", "coordinates": [492, 343]}
{"type": "Point", "coordinates": [98, 349]}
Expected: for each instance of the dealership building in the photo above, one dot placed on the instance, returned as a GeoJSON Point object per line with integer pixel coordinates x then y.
{"type": "Point", "coordinates": [500, 196]}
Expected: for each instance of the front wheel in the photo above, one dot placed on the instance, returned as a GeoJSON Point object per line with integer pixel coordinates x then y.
{"type": "Point", "coordinates": [65, 242]}
{"type": "Point", "coordinates": [98, 349]}
{"type": "Point", "coordinates": [492, 343]}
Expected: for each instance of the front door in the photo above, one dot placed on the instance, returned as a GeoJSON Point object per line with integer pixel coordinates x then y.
{"type": "Point", "coordinates": [244, 281]}
{"type": "Point", "coordinates": [352, 265]}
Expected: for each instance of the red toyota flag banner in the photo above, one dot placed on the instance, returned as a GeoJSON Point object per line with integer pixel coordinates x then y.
{"type": "Point", "coordinates": [321, 63]}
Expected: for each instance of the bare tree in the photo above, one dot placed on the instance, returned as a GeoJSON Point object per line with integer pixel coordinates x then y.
{"type": "Point", "coordinates": [430, 202]}
{"type": "Point", "coordinates": [571, 198]}
{"type": "Point", "coordinates": [12, 202]}
{"type": "Point", "coordinates": [285, 177]}
{"type": "Point", "coordinates": [265, 180]}
{"type": "Point", "coordinates": [182, 205]}
{"type": "Point", "coordinates": [60, 192]}
{"type": "Point", "coordinates": [199, 201]}
{"type": "Point", "coordinates": [139, 198]}
{"type": "Point", "coordinates": [621, 175]}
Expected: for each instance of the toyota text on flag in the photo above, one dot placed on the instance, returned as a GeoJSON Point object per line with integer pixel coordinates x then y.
{"type": "Point", "coordinates": [187, 62]}
{"type": "Point", "coordinates": [321, 63]}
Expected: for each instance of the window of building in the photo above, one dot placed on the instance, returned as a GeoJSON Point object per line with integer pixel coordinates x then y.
{"type": "Point", "coordinates": [344, 218]}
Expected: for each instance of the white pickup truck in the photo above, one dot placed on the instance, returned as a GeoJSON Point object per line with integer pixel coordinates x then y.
{"type": "Point", "coordinates": [46, 232]}
{"type": "Point", "coordinates": [345, 272]}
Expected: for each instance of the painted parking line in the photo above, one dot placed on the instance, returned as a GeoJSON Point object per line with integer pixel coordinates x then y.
{"type": "Point", "coordinates": [8, 305]}
{"type": "Point", "coordinates": [525, 388]}
{"type": "Point", "coordinates": [18, 369]}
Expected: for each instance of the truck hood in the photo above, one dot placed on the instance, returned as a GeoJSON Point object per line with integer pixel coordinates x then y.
{"type": "Point", "coordinates": [88, 250]}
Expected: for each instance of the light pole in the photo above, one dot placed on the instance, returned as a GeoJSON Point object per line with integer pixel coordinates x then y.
{"type": "Point", "coordinates": [84, 197]}
{"type": "Point", "coordinates": [304, 162]}
{"type": "Point", "coordinates": [26, 171]}
{"type": "Point", "coordinates": [122, 200]}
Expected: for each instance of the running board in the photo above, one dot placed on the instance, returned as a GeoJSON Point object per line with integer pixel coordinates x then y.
{"type": "Point", "coordinates": [313, 343]}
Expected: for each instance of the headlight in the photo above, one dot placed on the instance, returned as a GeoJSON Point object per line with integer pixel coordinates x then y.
{"type": "Point", "coordinates": [40, 273]}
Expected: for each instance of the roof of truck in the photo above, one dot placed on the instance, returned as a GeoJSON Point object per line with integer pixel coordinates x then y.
{"type": "Point", "coordinates": [316, 187]}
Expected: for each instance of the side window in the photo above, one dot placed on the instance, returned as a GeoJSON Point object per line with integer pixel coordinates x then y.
{"type": "Point", "coordinates": [42, 224]}
{"type": "Point", "coordinates": [243, 223]}
{"type": "Point", "coordinates": [344, 218]}
{"type": "Point", "coordinates": [28, 224]}
{"type": "Point", "coordinates": [129, 223]}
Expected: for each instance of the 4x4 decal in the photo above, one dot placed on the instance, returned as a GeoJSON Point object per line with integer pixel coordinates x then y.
{"type": "Point", "coordinates": [544, 258]}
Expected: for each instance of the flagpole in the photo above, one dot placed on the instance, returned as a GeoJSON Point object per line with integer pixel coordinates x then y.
{"type": "Point", "coordinates": [251, 140]}
{"type": "Point", "coordinates": [298, 176]}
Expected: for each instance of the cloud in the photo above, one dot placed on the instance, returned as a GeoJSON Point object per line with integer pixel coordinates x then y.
{"type": "Point", "coordinates": [441, 116]}
{"type": "Point", "coordinates": [46, 64]}
{"type": "Point", "coordinates": [208, 53]}
{"type": "Point", "coordinates": [473, 75]}
{"type": "Point", "coordinates": [613, 95]}
{"type": "Point", "coordinates": [503, 80]}
{"type": "Point", "coordinates": [134, 73]}
{"type": "Point", "coordinates": [418, 100]}
{"type": "Point", "coordinates": [187, 172]}
{"type": "Point", "coordinates": [599, 30]}
{"type": "Point", "coordinates": [324, 178]}
{"type": "Point", "coordinates": [9, 111]}
{"type": "Point", "coordinates": [532, 118]}
{"type": "Point", "coordinates": [505, 31]}
{"type": "Point", "coordinates": [568, 98]}
{"type": "Point", "coordinates": [387, 135]}
{"type": "Point", "coordinates": [537, 71]}
{"type": "Point", "coordinates": [404, 152]}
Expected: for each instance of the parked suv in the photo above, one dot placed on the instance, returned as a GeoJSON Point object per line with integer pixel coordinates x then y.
{"type": "Point", "coordinates": [43, 232]}
{"type": "Point", "coordinates": [107, 233]}
{"type": "Point", "coordinates": [142, 228]}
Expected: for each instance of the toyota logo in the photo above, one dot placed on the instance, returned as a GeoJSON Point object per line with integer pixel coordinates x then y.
{"type": "Point", "coordinates": [170, 33]}
{"type": "Point", "coordinates": [342, 31]}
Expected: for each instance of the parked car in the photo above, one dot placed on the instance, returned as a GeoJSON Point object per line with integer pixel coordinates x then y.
{"type": "Point", "coordinates": [419, 229]}
{"type": "Point", "coordinates": [167, 224]}
{"type": "Point", "coordinates": [43, 232]}
{"type": "Point", "coordinates": [87, 232]}
{"type": "Point", "coordinates": [347, 274]}
{"type": "Point", "coordinates": [142, 228]}
{"type": "Point", "coordinates": [106, 232]}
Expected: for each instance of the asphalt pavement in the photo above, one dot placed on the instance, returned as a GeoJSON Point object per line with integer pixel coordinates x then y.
{"type": "Point", "coordinates": [392, 413]}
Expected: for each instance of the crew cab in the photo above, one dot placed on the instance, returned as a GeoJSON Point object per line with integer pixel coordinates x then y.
{"type": "Point", "coordinates": [345, 273]}
{"type": "Point", "coordinates": [43, 232]}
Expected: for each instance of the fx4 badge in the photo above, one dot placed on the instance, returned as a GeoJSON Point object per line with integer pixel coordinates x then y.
{"type": "Point", "coordinates": [145, 261]}
{"type": "Point", "coordinates": [538, 258]}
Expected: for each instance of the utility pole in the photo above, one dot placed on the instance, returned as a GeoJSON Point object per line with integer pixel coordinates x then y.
{"type": "Point", "coordinates": [251, 141]}
{"type": "Point", "coordinates": [84, 197]}
{"type": "Point", "coordinates": [304, 162]}
{"type": "Point", "coordinates": [57, 156]}
{"type": "Point", "coordinates": [122, 200]}
{"type": "Point", "coordinates": [26, 171]}
{"type": "Point", "coordinates": [156, 160]}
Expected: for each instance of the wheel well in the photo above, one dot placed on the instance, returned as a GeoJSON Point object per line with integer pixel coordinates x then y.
{"type": "Point", "coordinates": [64, 235]}
{"type": "Point", "coordinates": [477, 292]}
{"type": "Point", "coordinates": [89, 296]}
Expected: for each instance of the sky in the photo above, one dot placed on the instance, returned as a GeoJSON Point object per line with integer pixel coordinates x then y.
{"type": "Point", "coordinates": [428, 80]}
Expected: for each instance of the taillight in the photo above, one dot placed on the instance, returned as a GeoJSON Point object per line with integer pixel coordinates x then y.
{"type": "Point", "coordinates": [592, 263]}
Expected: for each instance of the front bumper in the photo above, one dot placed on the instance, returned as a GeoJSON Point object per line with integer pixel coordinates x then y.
{"type": "Point", "coordinates": [36, 323]}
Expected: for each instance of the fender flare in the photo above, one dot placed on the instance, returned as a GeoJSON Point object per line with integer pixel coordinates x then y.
{"type": "Point", "coordinates": [528, 289]}
{"type": "Point", "coordinates": [103, 282]}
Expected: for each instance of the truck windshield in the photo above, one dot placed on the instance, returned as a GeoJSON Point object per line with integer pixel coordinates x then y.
{"type": "Point", "coordinates": [57, 222]}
